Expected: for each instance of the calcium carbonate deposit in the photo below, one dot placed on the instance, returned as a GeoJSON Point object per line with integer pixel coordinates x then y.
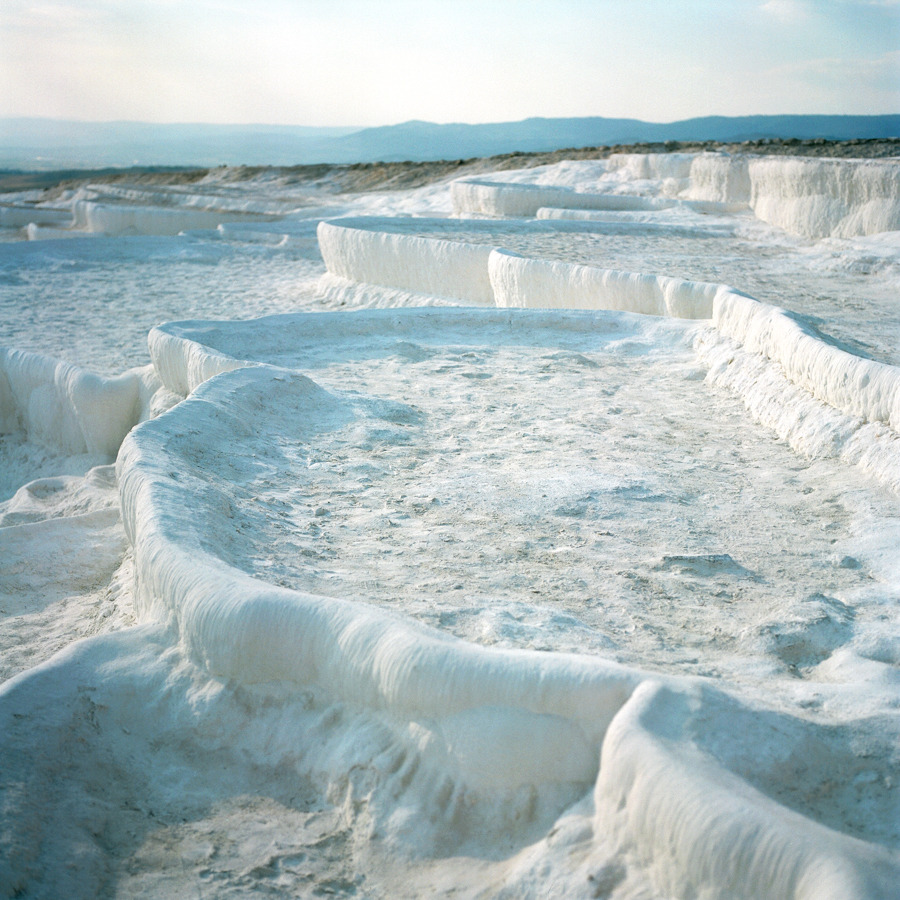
{"type": "Point", "coordinates": [529, 535]}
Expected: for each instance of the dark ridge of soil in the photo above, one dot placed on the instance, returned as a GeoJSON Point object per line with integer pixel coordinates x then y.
{"type": "Point", "coordinates": [383, 176]}
{"type": "Point", "coordinates": [15, 180]}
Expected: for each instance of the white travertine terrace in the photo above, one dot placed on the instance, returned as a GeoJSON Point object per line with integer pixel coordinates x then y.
{"type": "Point", "coordinates": [495, 722]}
{"type": "Point", "coordinates": [814, 198]}
{"type": "Point", "coordinates": [864, 390]}
{"type": "Point", "coordinates": [607, 774]}
{"type": "Point", "coordinates": [71, 409]}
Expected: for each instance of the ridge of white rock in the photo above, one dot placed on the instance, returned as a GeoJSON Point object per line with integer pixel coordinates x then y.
{"type": "Point", "coordinates": [131, 209]}
{"type": "Point", "coordinates": [492, 198]}
{"type": "Point", "coordinates": [441, 748]}
{"type": "Point", "coordinates": [452, 269]}
{"type": "Point", "coordinates": [858, 387]}
{"type": "Point", "coordinates": [812, 198]}
{"type": "Point", "coordinates": [542, 284]}
{"type": "Point", "coordinates": [358, 252]}
{"type": "Point", "coordinates": [67, 407]}
{"type": "Point", "coordinates": [244, 629]}
{"type": "Point", "coordinates": [652, 166]}
{"type": "Point", "coordinates": [183, 365]}
{"type": "Point", "coordinates": [201, 197]}
{"type": "Point", "coordinates": [705, 831]}
{"type": "Point", "coordinates": [20, 215]}
{"type": "Point", "coordinates": [485, 722]}
{"type": "Point", "coordinates": [122, 219]}
{"type": "Point", "coordinates": [826, 197]}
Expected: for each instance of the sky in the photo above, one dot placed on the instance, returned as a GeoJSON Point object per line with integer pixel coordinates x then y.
{"type": "Point", "coordinates": [379, 62]}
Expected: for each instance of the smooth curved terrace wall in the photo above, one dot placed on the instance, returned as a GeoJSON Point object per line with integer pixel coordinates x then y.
{"type": "Point", "coordinates": [478, 273]}
{"type": "Point", "coordinates": [64, 406]}
{"type": "Point", "coordinates": [472, 196]}
{"type": "Point", "coordinates": [16, 216]}
{"type": "Point", "coordinates": [862, 391]}
{"type": "Point", "coordinates": [819, 198]}
{"type": "Point", "coordinates": [542, 284]}
{"type": "Point", "coordinates": [183, 365]}
{"type": "Point", "coordinates": [705, 832]}
{"type": "Point", "coordinates": [482, 722]}
{"type": "Point", "coordinates": [859, 387]}
{"type": "Point", "coordinates": [450, 269]}
{"type": "Point", "coordinates": [812, 198]}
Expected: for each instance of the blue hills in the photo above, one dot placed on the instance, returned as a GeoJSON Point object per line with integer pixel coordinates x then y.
{"type": "Point", "coordinates": [43, 144]}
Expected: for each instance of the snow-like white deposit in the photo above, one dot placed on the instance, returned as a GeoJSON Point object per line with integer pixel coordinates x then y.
{"type": "Point", "coordinates": [590, 591]}
{"type": "Point", "coordinates": [21, 214]}
{"type": "Point", "coordinates": [813, 198]}
{"type": "Point", "coordinates": [67, 407]}
{"type": "Point", "coordinates": [536, 283]}
{"type": "Point", "coordinates": [497, 722]}
{"type": "Point", "coordinates": [720, 178]}
{"type": "Point", "coordinates": [826, 198]}
{"type": "Point", "coordinates": [451, 269]}
{"type": "Point", "coordinates": [476, 196]}
{"type": "Point", "coordinates": [859, 387]}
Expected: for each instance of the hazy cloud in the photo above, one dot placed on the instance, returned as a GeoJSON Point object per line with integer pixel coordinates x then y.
{"type": "Point", "coordinates": [786, 11]}
{"type": "Point", "coordinates": [886, 67]}
{"type": "Point", "coordinates": [367, 62]}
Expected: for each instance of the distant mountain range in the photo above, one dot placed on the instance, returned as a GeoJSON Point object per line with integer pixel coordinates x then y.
{"type": "Point", "coordinates": [42, 144]}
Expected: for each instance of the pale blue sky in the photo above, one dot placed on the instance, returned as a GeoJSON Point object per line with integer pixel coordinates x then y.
{"type": "Point", "coordinates": [374, 62]}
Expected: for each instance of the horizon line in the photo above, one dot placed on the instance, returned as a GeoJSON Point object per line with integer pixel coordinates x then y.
{"type": "Point", "coordinates": [77, 121]}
